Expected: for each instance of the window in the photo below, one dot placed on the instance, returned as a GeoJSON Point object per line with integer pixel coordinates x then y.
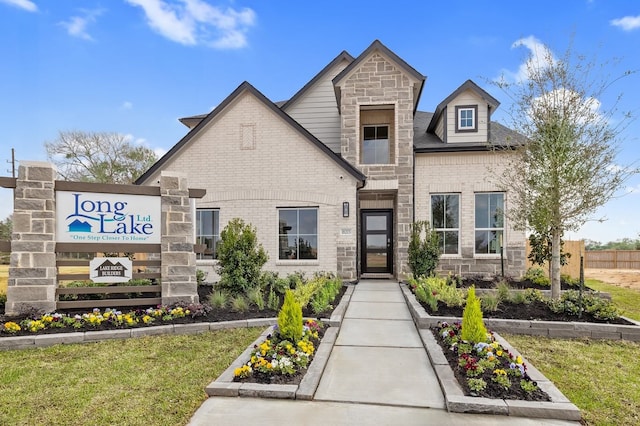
{"type": "Point", "coordinates": [298, 233]}
{"type": "Point", "coordinates": [466, 118]}
{"type": "Point", "coordinates": [445, 219]}
{"type": "Point", "coordinates": [208, 232]}
{"type": "Point", "coordinates": [489, 222]}
{"type": "Point", "coordinates": [375, 145]}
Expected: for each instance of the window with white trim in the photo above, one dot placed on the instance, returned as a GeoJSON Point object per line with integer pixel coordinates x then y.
{"type": "Point", "coordinates": [298, 233]}
{"type": "Point", "coordinates": [208, 232]}
{"type": "Point", "coordinates": [489, 218]}
{"type": "Point", "coordinates": [467, 118]}
{"type": "Point", "coordinates": [445, 220]}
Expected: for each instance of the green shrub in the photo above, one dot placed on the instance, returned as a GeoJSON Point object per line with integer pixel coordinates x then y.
{"type": "Point", "coordinates": [532, 295]}
{"type": "Point", "coordinates": [454, 280]}
{"type": "Point", "coordinates": [473, 329]}
{"type": "Point", "coordinates": [489, 303]}
{"type": "Point", "coordinates": [321, 300]}
{"type": "Point", "coordinates": [256, 298]}
{"type": "Point", "coordinates": [571, 304]}
{"type": "Point", "coordinates": [240, 257]}
{"type": "Point", "coordinates": [430, 290]}
{"type": "Point", "coordinates": [3, 299]}
{"type": "Point", "coordinates": [218, 299]}
{"type": "Point", "coordinates": [573, 282]}
{"type": "Point", "coordinates": [239, 303]}
{"type": "Point", "coordinates": [270, 281]}
{"type": "Point", "coordinates": [273, 301]}
{"type": "Point", "coordinates": [503, 292]}
{"type": "Point", "coordinates": [290, 318]}
{"type": "Point", "coordinates": [424, 253]}
{"type": "Point", "coordinates": [537, 276]}
{"type": "Point", "coordinates": [200, 276]}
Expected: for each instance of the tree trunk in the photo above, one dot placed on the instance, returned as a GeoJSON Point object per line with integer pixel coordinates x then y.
{"type": "Point", "coordinates": [555, 263]}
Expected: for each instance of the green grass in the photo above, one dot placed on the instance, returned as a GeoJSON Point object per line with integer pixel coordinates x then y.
{"type": "Point", "coordinates": [154, 380]}
{"type": "Point", "coordinates": [601, 377]}
{"type": "Point", "coordinates": [625, 298]}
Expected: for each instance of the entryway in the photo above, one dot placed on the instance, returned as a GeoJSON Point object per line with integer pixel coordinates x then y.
{"type": "Point", "coordinates": [377, 241]}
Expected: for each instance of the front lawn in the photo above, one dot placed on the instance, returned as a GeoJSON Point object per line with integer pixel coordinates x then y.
{"type": "Point", "coordinates": [601, 377]}
{"type": "Point", "coordinates": [151, 380]}
{"type": "Point", "coordinates": [627, 299]}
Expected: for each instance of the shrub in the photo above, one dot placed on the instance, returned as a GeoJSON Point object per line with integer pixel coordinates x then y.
{"type": "Point", "coordinates": [273, 301]}
{"type": "Point", "coordinates": [571, 304]}
{"type": "Point", "coordinates": [240, 257]}
{"type": "Point", "coordinates": [489, 303]}
{"type": "Point", "coordinates": [200, 276]}
{"type": "Point", "coordinates": [473, 329]}
{"type": "Point", "coordinates": [537, 276]}
{"type": "Point", "coordinates": [430, 290]}
{"type": "Point", "coordinates": [270, 281]}
{"type": "Point", "coordinates": [321, 300]}
{"type": "Point", "coordinates": [218, 299]}
{"type": "Point", "coordinates": [532, 295]}
{"type": "Point", "coordinates": [3, 299]}
{"type": "Point", "coordinates": [255, 296]}
{"type": "Point", "coordinates": [424, 254]}
{"type": "Point", "coordinates": [504, 292]}
{"type": "Point", "coordinates": [239, 303]}
{"type": "Point", "coordinates": [290, 318]}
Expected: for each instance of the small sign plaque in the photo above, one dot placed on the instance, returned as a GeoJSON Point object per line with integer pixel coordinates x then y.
{"type": "Point", "coordinates": [345, 232]}
{"type": "Point", "coordinates": [110, 269]}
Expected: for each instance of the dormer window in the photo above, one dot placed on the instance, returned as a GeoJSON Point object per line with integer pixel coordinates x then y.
{"type": "Point", "coordinates": [467, 118]}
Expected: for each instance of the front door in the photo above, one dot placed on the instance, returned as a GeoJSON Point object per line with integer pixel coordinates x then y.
{"type": "Point", "coordinates": [377, 241]}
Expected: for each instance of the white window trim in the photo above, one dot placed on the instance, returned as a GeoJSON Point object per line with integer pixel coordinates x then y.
{"type": "Point", "coordinates": [297, 262]}
{"type": "Point", "coordinates": [459, 109]}
{"type": "Point", "coordinates": [504, 226]}
{"type": "Point", "coordinates": [459, 253]}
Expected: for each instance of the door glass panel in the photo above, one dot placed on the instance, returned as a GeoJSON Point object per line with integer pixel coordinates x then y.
{"type": "Point", "coordinates": [377, 260]}
{"type": "Point", "coordinates": [378, 242]}
{"type": "Point", "coordinates": [376, 223]}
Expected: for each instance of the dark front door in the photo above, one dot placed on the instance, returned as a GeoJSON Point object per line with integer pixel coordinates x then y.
{"type": "Point", "coordinates": [377, 241]}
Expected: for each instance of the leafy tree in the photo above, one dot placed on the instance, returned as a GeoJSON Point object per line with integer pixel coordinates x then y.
{"type": "Point", "coordinates": [240, 257]}
{"type": "Point", "coordinates": [566, 168]}
{"type": "Point", "coordinates": [6, 228]}
{"type": "Point", "coordinates": [103, 157]}
{"type": "Point", "coordinates": [424, 252]}
{"type": "Point", "coordinates": [541, 249]}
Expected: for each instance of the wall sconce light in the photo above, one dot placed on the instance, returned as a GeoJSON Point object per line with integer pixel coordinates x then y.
{"type": "Point", "coordinates": [345, 209]}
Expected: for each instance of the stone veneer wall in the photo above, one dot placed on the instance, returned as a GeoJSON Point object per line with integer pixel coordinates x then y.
{"type": "Point", "coordinates": [32, 271]}
{"type": "Point", "coordinates": [178, 259]}
{"type": "Point", "coordinates": [378, 81]}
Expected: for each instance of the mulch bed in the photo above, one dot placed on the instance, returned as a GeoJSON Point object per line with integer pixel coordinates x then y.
{"type": "Point", "coordinates": [480, 282]}
{"type": "Point", "coordinates": [215, 315]}
{"type": "Point", "coordinates": [493, 390]}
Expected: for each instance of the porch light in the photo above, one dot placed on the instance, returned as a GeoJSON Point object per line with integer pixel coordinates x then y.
{"type": "Point", "coordinates": [345, 209]}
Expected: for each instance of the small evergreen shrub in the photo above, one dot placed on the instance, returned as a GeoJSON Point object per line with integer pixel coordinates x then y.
{"type": "Point", "coordinates": [537, 276]}
{"type": "Point", "coordinates": [290, 318]}
{"type": "Point", "coordinates": [240, 257]}
{"type": "Point", "coordinates": [473, 329]}
{"type": "Point", "coordinates": [424, 253]}
{"type": "Point", "coordinates": [273, 301]}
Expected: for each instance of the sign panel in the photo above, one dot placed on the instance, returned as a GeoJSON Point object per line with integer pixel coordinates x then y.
{"type": "Point", "coordinates": [110, 269]}
{"type": "Point", "coordinates": [88, 217]}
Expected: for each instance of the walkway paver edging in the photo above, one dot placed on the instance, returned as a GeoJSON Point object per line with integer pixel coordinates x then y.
{"type": "Point", "coordinates": [558, 408]}
{"type": "Point", "coordinates": [225, 386]}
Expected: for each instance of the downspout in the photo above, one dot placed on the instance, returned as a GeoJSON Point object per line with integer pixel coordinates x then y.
{"type": "Point", "coordinates": [358, 229]}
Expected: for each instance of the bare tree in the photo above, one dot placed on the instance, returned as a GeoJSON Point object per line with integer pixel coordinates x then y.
{"type": "Point", "coordinates": [104, 157]}
{"type": "Point", "coordinates": [567, 167]}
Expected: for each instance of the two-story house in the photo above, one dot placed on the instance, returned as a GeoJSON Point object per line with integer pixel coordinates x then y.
{"type": "Point", "coordinates": [334, 177]}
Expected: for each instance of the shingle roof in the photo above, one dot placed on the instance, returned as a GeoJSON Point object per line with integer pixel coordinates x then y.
{"type": "Point", "coordinates": [247, 87]}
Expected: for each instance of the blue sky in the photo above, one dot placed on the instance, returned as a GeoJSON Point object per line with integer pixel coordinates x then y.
{"type": "Point", "coordinates": [136, 66]}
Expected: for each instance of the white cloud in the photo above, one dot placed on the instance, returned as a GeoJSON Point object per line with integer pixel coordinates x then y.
{"type": "Point", "coordinates": [193, 22]}
{"type": "Point", "coordinates": [540, 57]}
{"type": "Point", "coordinates": [27, 5]}
{"type": "Point", "coordinates": [628, 23]}
{"type": "Point", "coordinates": [570, 103]}
{"type": "Point", "coordinates": [77, 25]}
{"type": "Point", "coordinates": [126, 105]}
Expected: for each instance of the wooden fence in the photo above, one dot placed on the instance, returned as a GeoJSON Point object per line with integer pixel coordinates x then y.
{"type": "Point", "coordinates": [613, 259]}
{"type": "Point", "coordinates": [572, 268]}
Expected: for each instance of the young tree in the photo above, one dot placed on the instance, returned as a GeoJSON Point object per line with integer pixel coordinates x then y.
{"type": "Point", "coordinates": [6, 228]}
{"type": "Point", "coordinates": [567, 167]}
{"type": "Point", "coordinates": [98, 157]}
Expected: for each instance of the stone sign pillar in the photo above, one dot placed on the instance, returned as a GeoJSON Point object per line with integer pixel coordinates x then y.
{"type": "Point", "coordinates": [178, 259]}
{"type": "Point", "coordinates": [32, 271]}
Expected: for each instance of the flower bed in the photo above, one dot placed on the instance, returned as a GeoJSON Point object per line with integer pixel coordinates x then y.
{"type": "Point", "coordinates": [486, 369]}
{"type": "Point", "coordinates": [277, 360]}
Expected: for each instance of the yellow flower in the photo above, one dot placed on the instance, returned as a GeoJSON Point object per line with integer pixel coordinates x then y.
{"type": "Point", "coordinates": [519, 360]}
{"type": "Point", "coordinates": [499, 352]}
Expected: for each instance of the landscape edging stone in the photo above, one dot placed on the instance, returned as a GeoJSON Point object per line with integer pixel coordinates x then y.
{"type": "Point", "coordinates": [559, 408]}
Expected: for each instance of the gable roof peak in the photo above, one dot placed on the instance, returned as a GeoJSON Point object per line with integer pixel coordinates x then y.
{"type": "Point", "coordinates": [467, 85]}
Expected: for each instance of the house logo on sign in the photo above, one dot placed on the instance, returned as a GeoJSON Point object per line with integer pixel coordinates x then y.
{"type": "Point", "coordinates": [111, 269]}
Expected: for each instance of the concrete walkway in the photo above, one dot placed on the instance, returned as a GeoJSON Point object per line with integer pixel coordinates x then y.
{"type": "Point", "coordinates": [378, 374]}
